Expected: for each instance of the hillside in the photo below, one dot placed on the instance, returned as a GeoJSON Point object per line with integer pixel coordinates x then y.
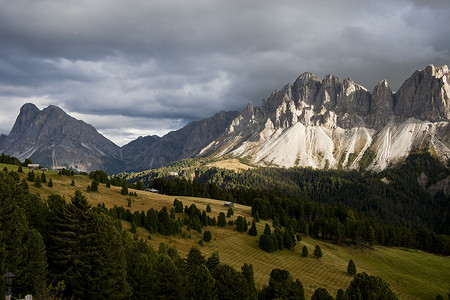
{"type": "Point", "coordinates": [411, 274]}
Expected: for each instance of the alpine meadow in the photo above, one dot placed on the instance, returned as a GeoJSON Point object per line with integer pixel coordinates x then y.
{"type": "Point", "coordinates": [223, 150]}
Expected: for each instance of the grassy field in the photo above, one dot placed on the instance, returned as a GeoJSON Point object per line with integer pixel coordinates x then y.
{"type": "Point", "coordinates": [411, 274]}
{"type": "Point", "coordinates": [230, 164]}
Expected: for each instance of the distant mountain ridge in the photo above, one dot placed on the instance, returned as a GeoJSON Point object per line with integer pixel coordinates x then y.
{"type": "Point", "coordinates": [334, 123]}
{"type": "Point", "coordinates": [329, 123]}
{"type": "Point", "coordinates": [53, 138]}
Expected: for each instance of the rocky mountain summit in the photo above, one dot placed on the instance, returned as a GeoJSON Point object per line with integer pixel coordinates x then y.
{"type": "Point", "coordinates": [319, 123]}
{"type": "Point", "coordinates": [333, 123]}
{"type": "Point", "coordinates": [53, 138]}
{"type": "Point", "coordinates": [154, 152]}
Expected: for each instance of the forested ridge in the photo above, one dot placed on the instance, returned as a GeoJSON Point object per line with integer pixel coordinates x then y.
{"type": "Point", "coordinates": [387, 208]}
{"type": "Point", "coordinates": [65, 249]}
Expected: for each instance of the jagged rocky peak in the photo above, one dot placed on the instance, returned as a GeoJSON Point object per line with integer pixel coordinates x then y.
{"type": "Point", "coordinates": [425, 95]}
{"type": "Point", "coordinates": [28, 113]}
{"type": "Point", "coordinates": [305, 88]}
{"type": "Point", "coordinates": [382, 98]}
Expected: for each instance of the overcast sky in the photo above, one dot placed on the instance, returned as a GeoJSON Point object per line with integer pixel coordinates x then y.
{"type": "Point", "coordinates": [134, 68]}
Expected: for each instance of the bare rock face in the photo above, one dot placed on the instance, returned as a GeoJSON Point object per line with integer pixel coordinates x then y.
{"type": "Point", "coordinates": [382, 108]}
{"type": "Point", "coordinates": [52, 138]}
{"type": "Point", "coordinates": [425, 95]}
{"type": "Point", "coordinates": [334, 122]}
{"type": "Point", "coordinates": [154, 152]}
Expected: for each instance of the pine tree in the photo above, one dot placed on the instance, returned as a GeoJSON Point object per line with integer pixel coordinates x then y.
{"type": "Point", "coordinates": [365, 286]}
{"type": "Point", "coordinates": [31, 176]}
{"type": "Point", "coordinates": [340, 295]}
{"type": "Point", "coordinates": [247, 272]}
{"type": "Point", "coordinates": [72, 183]}
{"type": "Point", "coordinates": [207, 236]}
{"type": "Point", "coordinates": [20, 170]}
{"type": "Point", "coordinates": [140, 268]}
{"type": "Point", "coordinates": [213, 261]}
{"type": "Point", "coordinates": [168, 283]}
{"type": "Point", "coordinates": [318, 252]}
{"type": "Point", "coordinates": [351, 268]}
{"type": "Point", "coordinates": [87, 251]}
{"type": "Point", "coordinates": [43, 178]}
{"type": "Point", "coordinates": [253, 231]}
{"type": "Point", "coordinates": [201, 284]}
{"type": "Point", "coordinates": [208, 208]}
{"type": "Point", "coordinates": [221, 221]}
{"type": "Point", "coordinates": [230, 284]}
{"type": "Point", "coordinates": [256, 217]}
{"type": "Point", "coordinates": [37, 182]}
{"type": "Point", "coordinates": [240, 225]}
{"type": "Point", "coordinates": [50, 183]}
{"type": "Point", "coordinates": [321, 294]}
{"type": "Point", "coordinates": [124, 190]}
{"type": "Point", "coordinates": [305, 251]}
{"type": "Point", "coordinates": [94, 186]}
{"type": "Point", "coordinates": [267, 230]}
{"type": "Point", "coordinates": [22, 249]}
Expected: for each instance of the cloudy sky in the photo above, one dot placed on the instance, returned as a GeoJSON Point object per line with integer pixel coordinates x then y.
{"type": "Point", "coordinates": [134, 68]}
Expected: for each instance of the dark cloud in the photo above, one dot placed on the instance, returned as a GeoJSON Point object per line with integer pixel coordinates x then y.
{"type": "Point", "coordinates": [156, 65]}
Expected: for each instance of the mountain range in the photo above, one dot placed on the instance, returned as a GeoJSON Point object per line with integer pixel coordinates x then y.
{"type": "Point", "coordinates": [319, 123]}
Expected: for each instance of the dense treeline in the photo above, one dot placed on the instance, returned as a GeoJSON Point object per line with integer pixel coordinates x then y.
{"type": "Point", "coordinates": [392, 196]}
{"type": "Point", "coordinates": [71, 250]}
{"type": "Point", "coordinates": [388, 208]}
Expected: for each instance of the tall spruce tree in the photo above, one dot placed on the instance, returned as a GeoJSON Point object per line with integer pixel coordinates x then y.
{"type": "Point", "coordinates": [252, 231]}
{"type": "Point", "coordinates": [140, 268]}
{"type": "Point", "coordinates": [168, 281]}
{"type": "Point", "coordinates": [351, 268]}
{"type": "Point", "coordinates": [318, 252]}
{"type": "Point", "coordinates": [22, 250]}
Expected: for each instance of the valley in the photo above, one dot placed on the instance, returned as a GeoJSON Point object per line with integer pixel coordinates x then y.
{"type": "Point", "coordinates": [411, 274]}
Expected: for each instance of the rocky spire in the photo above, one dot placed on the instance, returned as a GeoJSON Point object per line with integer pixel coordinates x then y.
{"type": "Point", "coordinates": [425, 95]}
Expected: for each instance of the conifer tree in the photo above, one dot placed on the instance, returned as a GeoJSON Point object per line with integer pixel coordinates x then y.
{"type": "Point", "coordinates": [351, 268]}
{"type": "Point", "coordinates": [50, 183]}
{"type": "Point", "coordinates": [253, 231]}
{"type": "Point", "coordinates": [247, 272]}
{"type": "Point", "coordinates": [221, 221]}
{"type": "Point", "coordinates": [207, 236]}
{"type": "Point", "coordinates": [256, 217]}
{"type": "Point", "coordinates": [37, 182]}
{"type": "Point", "coordinates": [230, 283]}
{"type": "Point", "coordinates": [201, 284]}
{"type": "Point", "coordinates": [305, 251]}
{"type": "Point", "coordinates": [22, 250]}
{"type": "Point", "coordinates": [140, 268]}
{"type": "Point", "coordinates": [124, 190]}
{"type": "Point", "coordinates": [168, 283]}
{"type": "Point", "coordinates": [321, 294]}
{"type": "Point", "coordinates": [318, 252]}
{"type": "Point", "coordinates": [267, 230]}
{"type": "Point", "coordinates": [20, 170]}
{"type": "Point", "coordinates": [43, 178]}
{"type": "Point", "coordinates": [194, 258]}
{"type": "Point", "coordinates": [31, 176]}
{"type": "Point", "coordinates": [94, 186]}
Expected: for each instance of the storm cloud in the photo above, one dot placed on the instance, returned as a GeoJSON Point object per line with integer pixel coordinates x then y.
{"type": "Point", "coordinates": [135, 68]}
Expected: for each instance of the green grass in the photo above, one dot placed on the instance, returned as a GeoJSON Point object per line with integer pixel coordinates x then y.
{"type": "Point", "coordinates": [411, 274]}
